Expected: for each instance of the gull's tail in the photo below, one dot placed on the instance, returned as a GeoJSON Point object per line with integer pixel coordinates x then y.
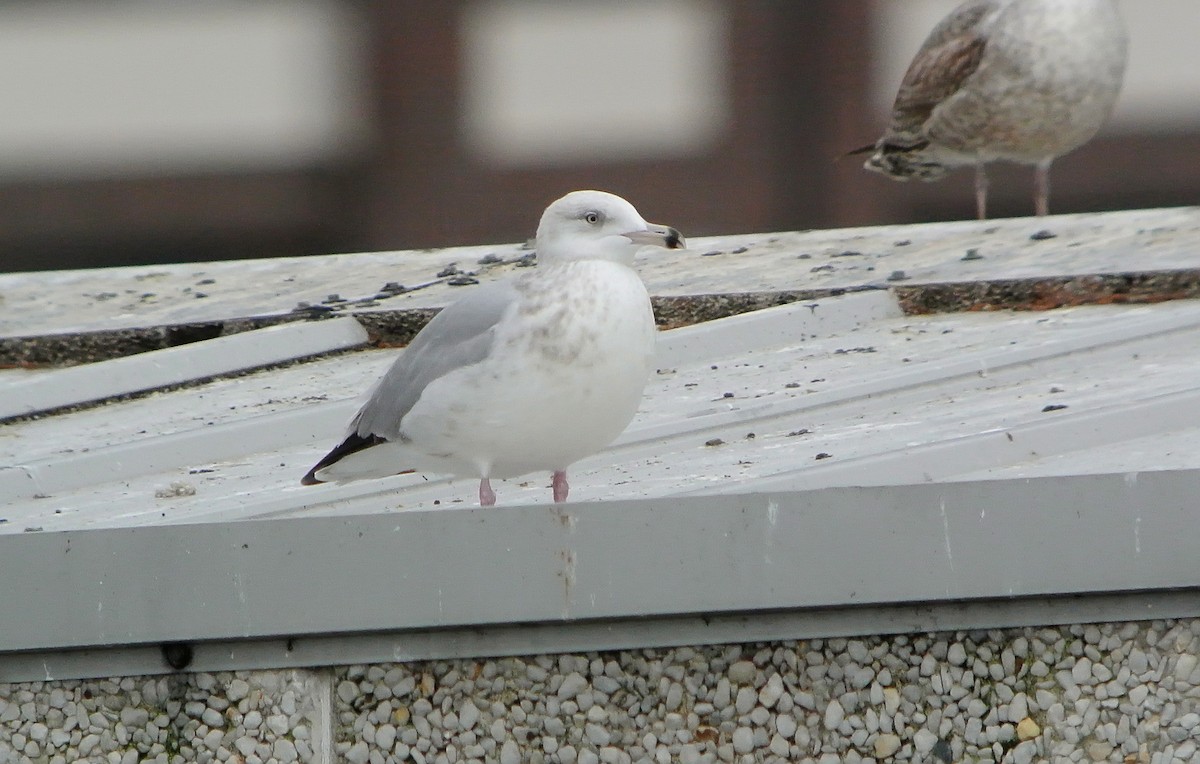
{"type": "Point", "coordinates": [352, 444]}
{"type": "Point", "coordinates": [870, 147]}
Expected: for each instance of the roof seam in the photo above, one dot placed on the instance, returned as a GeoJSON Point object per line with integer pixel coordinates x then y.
{"type": "Point", "coordinates": [395, 328]}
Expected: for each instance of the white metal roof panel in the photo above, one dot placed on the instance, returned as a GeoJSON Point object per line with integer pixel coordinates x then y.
{"type": "Point", "coordinates": [887, 398]}
{"type": "Point", "coordinates": [172, 366]}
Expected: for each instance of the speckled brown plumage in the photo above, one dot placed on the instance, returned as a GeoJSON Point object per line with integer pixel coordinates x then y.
{"type": "Point", "coordinates": [1017, 80]}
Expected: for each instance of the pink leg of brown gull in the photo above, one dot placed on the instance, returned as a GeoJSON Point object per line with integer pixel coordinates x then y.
{"type": "Point", "coordinates": [559, 484]}
{"type": "Point", "coordinates": [981, 189]}
{"type": "Point", "coordinates": [487, 497]}
{"type": "Point", "coordinates": [1041, 188]}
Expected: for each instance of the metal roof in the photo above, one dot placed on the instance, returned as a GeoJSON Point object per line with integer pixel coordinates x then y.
{"type": "Point", "coordinates": [116, 300]}
{"type": "Point", "coordinates": [794, 463]}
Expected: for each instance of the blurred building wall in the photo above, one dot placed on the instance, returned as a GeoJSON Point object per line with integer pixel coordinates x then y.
{"type": "Point", "coordinates": [144, 132]}
{"type": "Point", "coordinates": [129, 89]}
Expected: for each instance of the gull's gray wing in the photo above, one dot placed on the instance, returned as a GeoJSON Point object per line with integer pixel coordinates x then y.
{"type": "Point", "coordinates": [460, 335]}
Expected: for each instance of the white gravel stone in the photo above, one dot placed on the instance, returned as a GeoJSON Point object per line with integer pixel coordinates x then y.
{"type": "Point", "coordinates": [511, 754]}
{"type": "Point", "coordinates": [771, 692]}
{"type": "Point", "coordinates": [746, 698]}
{"type": "Point", "coordinates": [597, 735]}
{"type": "Point", "coordinates": [834, 714]}
{"type": "Point", "coordinates": [1185, 666]}
{"type": "Point", "coordinates": [891, 700]}
{"type": "Point", "coordinates": [1024, 752]}
{"type": "Point", "coordinates": [285, 751]}
{"type": "Point", "coordinates": [886, 745]}
{"type": "Point", "coordinates": [742, 672]}
{"type": "Point", "coordinates": [957, 654]}
{"type": "Point", "coordinates": [1138, 661]}
{"type": "Point", "coordinates": [674, 696]}
{"type": "Point", "coordinates": [573, 684]}
{"type": "Point", "coordinates": [385, 737]}
{"type": "Point", "coordinates": [1098, 750]}
{"type": "Point", "coordinates": [743, 740]}
{"type": "Point", "coordinates": [468, 716]}
{"type": "Point", "coordinates": [1081, 672]}
{"type": "Point", "coordinates": [278, 723]}
{"type": "Point", "coordinates": [245, 745]}
{"type": "Point", "coordinates": [928, 665]}
{"type": "Point", "coordinates": [347, 691]}
{"type": "Point", "coordinates": [358, 753]}
{"type": "Point", "coordinates": [213, 718]}
{"type": "Point", "coordinates": [924, 741]}
{"type": "Point", "coordinates": [721, 696]}
{"type": "Point", "coordinates": [786, 725]}
{"type": "Point", "coordinates": [779, 745]}
{"type": "Point", "coordinates": [1018, 707]}
{"type": "Point", "coordinates": [237, 689]}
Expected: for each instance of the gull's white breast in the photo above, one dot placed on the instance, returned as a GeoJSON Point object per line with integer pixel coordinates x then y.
{"type": "Point", "coordinates": [564, 377]}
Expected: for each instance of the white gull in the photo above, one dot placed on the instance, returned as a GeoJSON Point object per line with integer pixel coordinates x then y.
{"type": "Point", "coordinates": [532, 373]}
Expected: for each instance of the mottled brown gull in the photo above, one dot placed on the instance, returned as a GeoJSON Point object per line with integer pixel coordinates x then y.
{"type": "Point", "coordinates": [1023, 81]}
{"type": "Point", "coordinates": [529, 374]}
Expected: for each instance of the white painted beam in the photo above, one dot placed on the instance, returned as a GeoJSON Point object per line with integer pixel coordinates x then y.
{"type": "Point", "coordinates": [186, 363]}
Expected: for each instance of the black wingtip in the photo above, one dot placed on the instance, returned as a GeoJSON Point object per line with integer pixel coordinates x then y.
{"type": "Point", "coordinates": [674, 239]}
{"type": "Point", "coordinates": [870, 147]}
{"type": "Point", "coordinates": [350, 445]}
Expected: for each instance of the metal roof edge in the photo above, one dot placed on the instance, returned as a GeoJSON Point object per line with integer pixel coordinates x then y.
{"type": "Point", "coordinates": [309, 651]}
{"type": "Point", "coordinates": [612, 560]}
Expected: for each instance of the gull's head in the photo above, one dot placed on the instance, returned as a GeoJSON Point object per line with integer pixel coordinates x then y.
{"type": "Point", "coordinates": [600, 226]}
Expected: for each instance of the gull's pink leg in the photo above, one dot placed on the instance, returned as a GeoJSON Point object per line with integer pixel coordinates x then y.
{"type": "Point", "coordinates": [981, 189]}
{"type": "Point", "coordinates": [559, 484]}
{"type": "Point", "coordinates": [487, 497]}
{"type": "Point", "coordinates": [1041, 188]}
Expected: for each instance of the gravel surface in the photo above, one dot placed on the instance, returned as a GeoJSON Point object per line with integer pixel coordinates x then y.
{"type": "Point", "coordinates": [1121, 692]}
{"type": "Point", "coordinates": [236, 717]}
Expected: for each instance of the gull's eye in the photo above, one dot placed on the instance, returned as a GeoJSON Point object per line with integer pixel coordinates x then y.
{"type": "Point", "coordinates": [592, 218]}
